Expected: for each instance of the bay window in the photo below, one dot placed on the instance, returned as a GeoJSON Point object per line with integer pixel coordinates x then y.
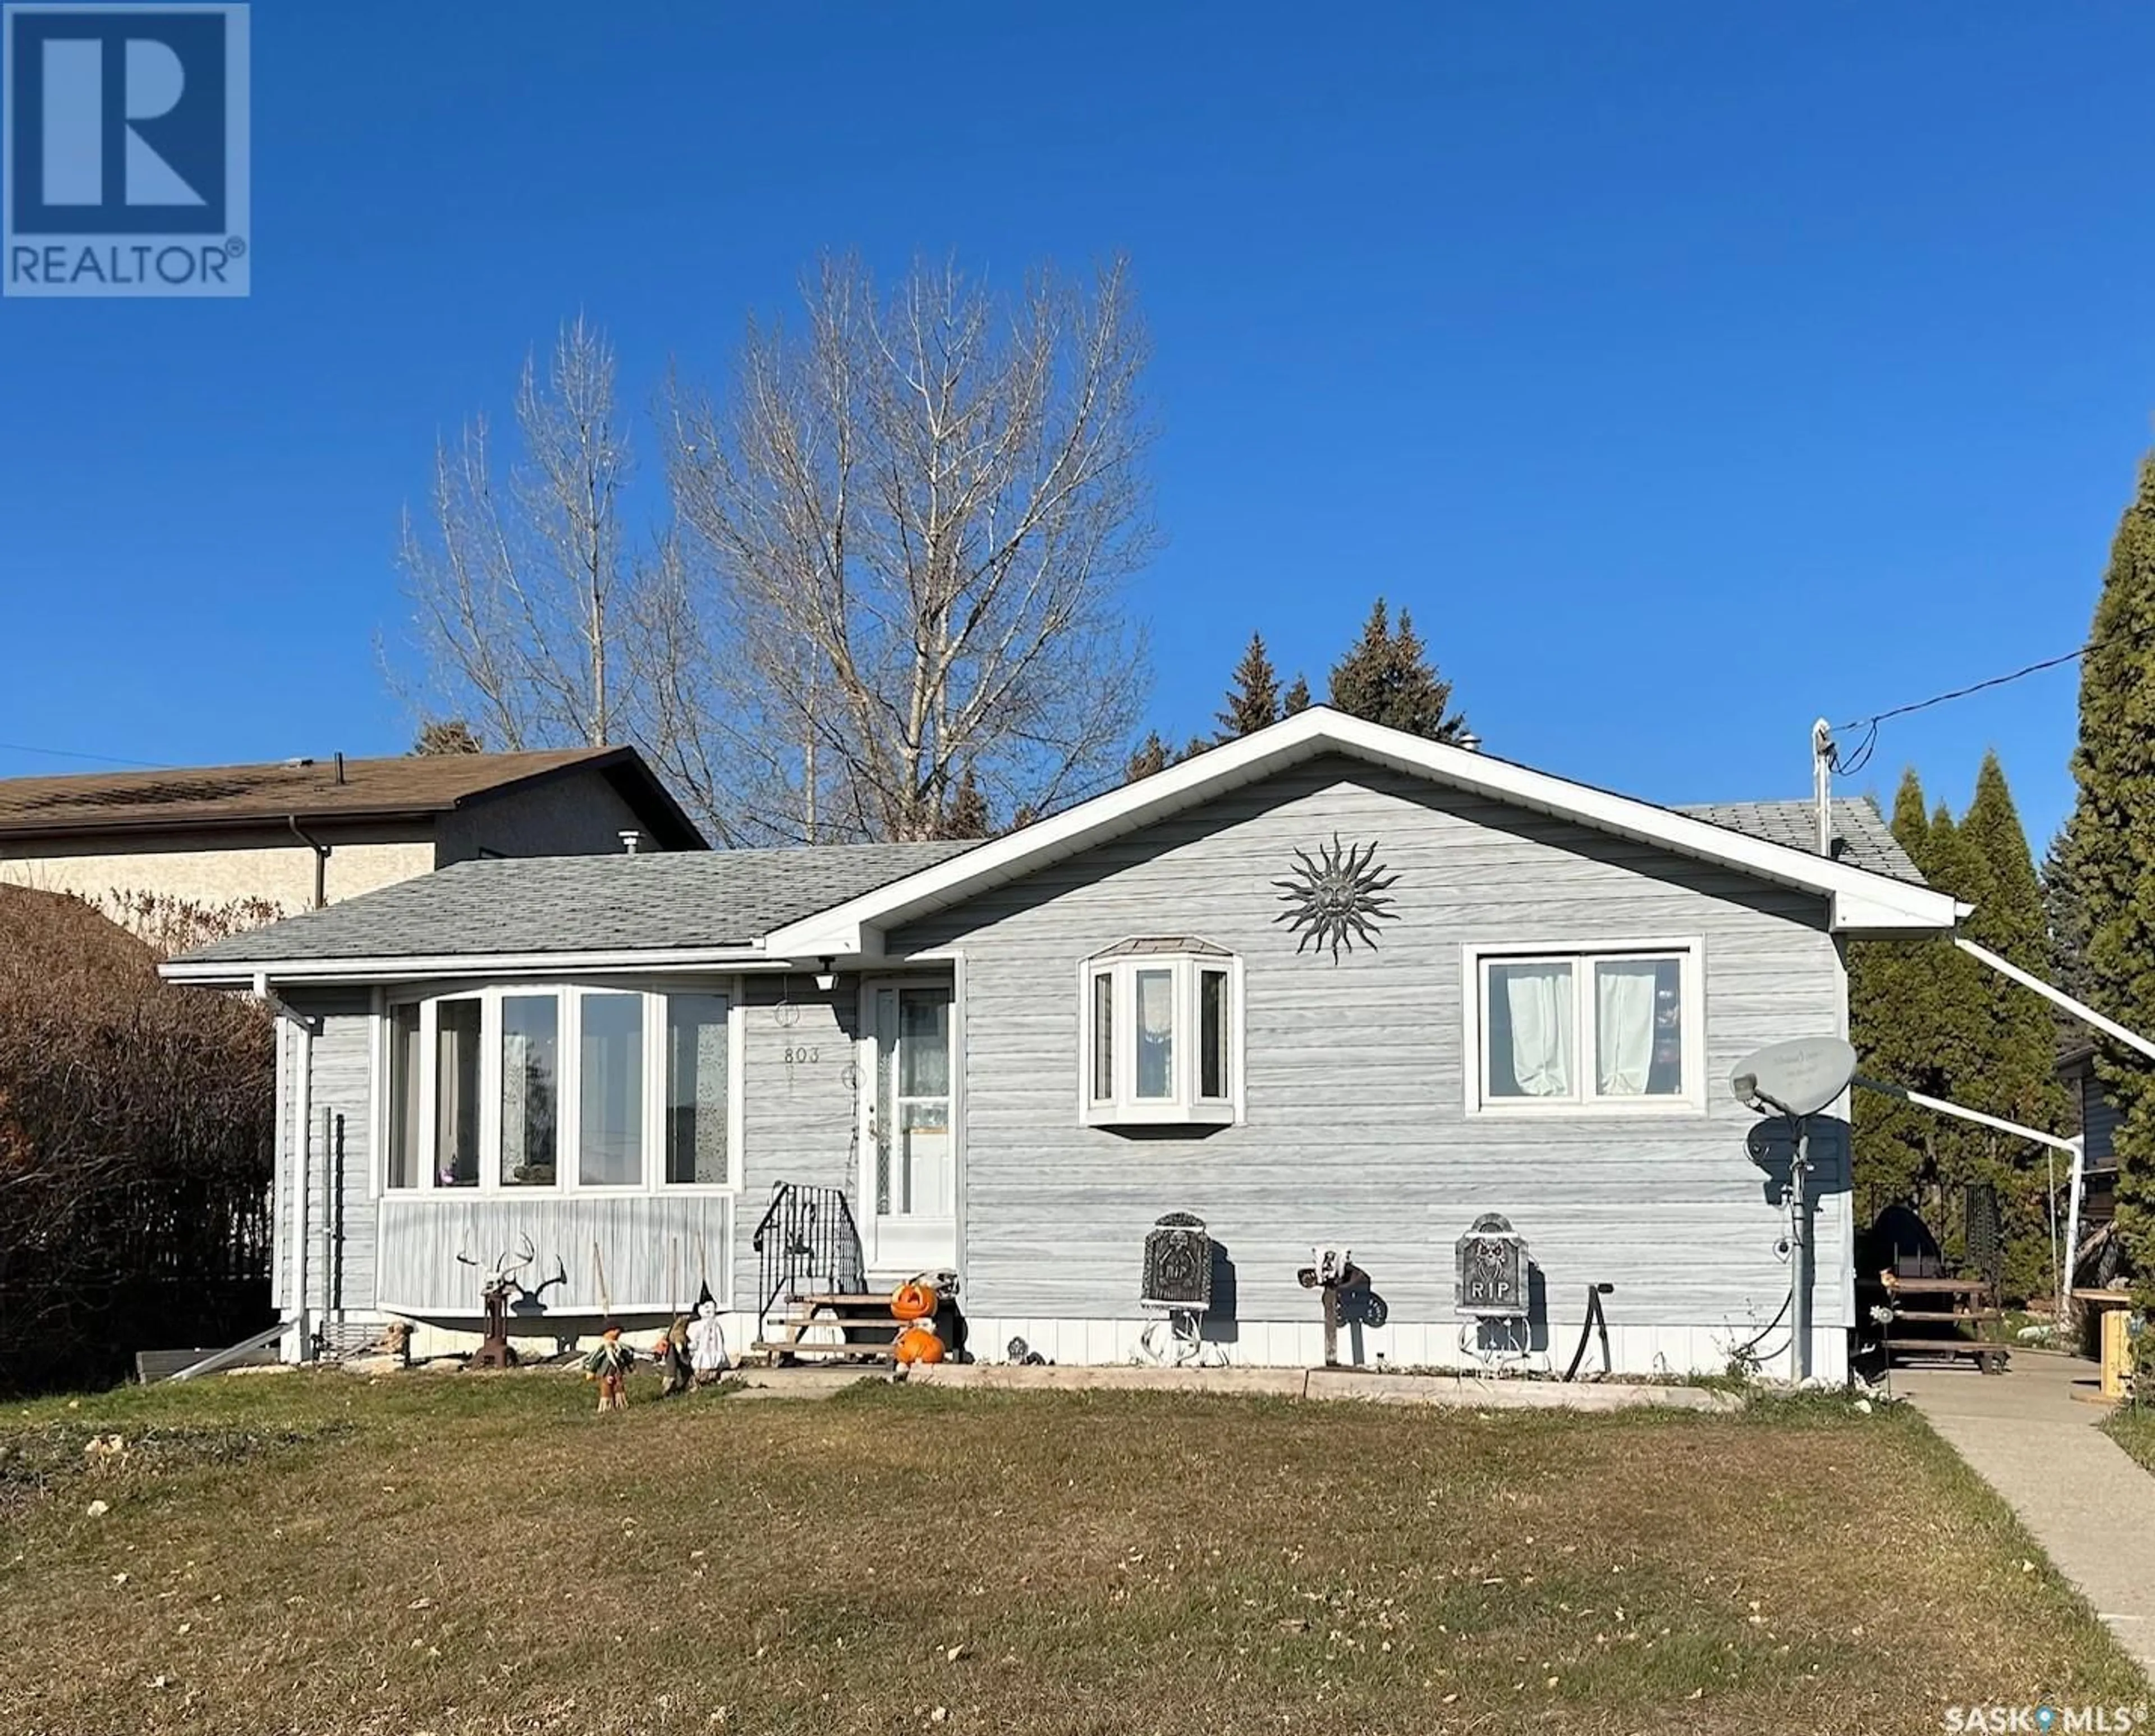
{"type": "Point", "coordinates": [1161, 1039]}
{"type": "Point", "coordinates": [1564, 1030]}
{"type": "Point", "coordinates": [568, 1086]}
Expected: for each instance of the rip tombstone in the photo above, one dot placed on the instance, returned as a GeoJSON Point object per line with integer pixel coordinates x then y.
{"type": "Point", "coordinates": [1492, 1269]}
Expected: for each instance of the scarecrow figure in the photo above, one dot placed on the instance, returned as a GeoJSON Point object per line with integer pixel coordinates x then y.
{"type": "Point", "coordinates": [707, 1344]}
{"type": "Point", "coordinates": [671, 1354]}
{"type": "Point", "coordinates": [609, 1365]}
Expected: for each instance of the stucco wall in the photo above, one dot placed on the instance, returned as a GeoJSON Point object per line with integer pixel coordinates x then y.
{"type": "Point", "coordinates": [218, 867]}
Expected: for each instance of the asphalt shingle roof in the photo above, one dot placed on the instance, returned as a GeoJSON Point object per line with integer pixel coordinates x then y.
{"type": "Point", "coordinates": [180, 798]}
{"type": "Point", "coordinates": [731, 897]}
{"type": "Point", "coordinates": [585, 903]}
{"type": "Point", "coordinates": [1861, 838]}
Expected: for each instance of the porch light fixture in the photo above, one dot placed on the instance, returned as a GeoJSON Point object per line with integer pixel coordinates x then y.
{"type": "Point", "coordinates": [826, 978]}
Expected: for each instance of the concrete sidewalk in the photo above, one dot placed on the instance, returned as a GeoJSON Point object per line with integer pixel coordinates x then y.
{"type": "Point", "coordinates": [2090, 1506]}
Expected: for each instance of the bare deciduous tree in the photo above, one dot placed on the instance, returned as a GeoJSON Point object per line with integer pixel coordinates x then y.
{"type": "Point", "coordinates": [904, 539]}
{"type": "Point", "coordinates": [520, 596]}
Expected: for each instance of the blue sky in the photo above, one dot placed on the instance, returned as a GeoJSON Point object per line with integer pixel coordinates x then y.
{"type": "Point", "coordinates": [1688, 371]}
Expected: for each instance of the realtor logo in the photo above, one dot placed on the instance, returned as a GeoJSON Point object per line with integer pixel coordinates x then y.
{"type": "Point", "coordinates": [123, 156]}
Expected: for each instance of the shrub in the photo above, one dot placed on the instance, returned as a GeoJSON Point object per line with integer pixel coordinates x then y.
{"type": "Point", "coordinates": [136, 1130]}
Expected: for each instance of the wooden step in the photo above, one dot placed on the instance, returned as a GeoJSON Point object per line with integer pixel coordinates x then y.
{"type": "Point", "coordinates": [858, 1353]}
{"type": "Point", "coordinates": [851, 1332]}
{"type": "Point", "coordinates": [1948, 1347]}
{"type": "Point", "coordinates": [1969, 1315]}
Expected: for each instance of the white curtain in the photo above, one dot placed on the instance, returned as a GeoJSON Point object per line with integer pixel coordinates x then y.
{"type": "Point", "coordinates": [1623, 1026]}
{"type": "Point", "coordinates": [1538, 999]}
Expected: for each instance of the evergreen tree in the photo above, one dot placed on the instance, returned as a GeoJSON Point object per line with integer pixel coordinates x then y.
{"type": "Point", "coordinates": [1387, 678]}
{"type": "Point", "coordinates": [2016, 1075]}
{"type": "Point", "coordinates": [446, 736]}
{"type": "Point", "coordinates": [2065, 916]}
{"type": "Point", "coordinates": [965, 813]}
{"type": "Point", "coordinates": [1298, 698]}
{"type": "Point", "coordinates": [1151, 756]}
{"type": "Point", "coordinates": [2113, 831]}
{"type": "Point", "coordinates": [1892, 1011]}
{"type": "Point", "coordinates": [1253, 699]}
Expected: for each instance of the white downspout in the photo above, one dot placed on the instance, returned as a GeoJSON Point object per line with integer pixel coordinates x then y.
{"type": "Point", "coordinates": [2057, 997]}
{"type": "Point", "coordinates": [2072, 1226]}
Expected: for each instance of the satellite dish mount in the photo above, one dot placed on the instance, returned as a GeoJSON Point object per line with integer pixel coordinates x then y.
{"type": "Point", "coordinates": [1797, 1080]}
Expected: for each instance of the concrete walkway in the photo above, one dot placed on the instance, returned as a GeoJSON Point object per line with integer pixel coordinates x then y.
{"type": "Point", "coordinates": [2088, 1504]}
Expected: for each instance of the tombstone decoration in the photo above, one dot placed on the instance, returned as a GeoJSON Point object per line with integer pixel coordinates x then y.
{"type": "Point", "coordinates": [1336, 898]}
{"type": "Point", "coordinates": [1178, 1264]}
{"type": "Point", "coordinates": [1492, 1269]}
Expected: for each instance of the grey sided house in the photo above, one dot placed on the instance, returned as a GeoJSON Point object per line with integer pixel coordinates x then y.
{"type": "Point", "coordinates": [1329, 986]}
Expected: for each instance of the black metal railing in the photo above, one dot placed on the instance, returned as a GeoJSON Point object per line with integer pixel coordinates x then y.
{"type": "Point", "coordinates": [807, 1241]}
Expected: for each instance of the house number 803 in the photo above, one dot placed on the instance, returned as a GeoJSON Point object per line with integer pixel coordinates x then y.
{"type": "Point", "coordinates": [801, 1054]}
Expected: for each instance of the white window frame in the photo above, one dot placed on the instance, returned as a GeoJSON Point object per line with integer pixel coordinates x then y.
{"type": "Point", "coordinates": [569, 997]}
{"type": "Point", "coordinates": [1689, 952]}
{"type": "Point", "coordinates": [1183, 1106]}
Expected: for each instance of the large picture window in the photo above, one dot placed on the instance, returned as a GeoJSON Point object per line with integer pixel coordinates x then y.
{"type": "Point", "coordinates": [1161, 1037]}
{"type": "Point", "coordinates": [1579, 1030]}
{"type": "Point", "coordinates": [566, 1087]}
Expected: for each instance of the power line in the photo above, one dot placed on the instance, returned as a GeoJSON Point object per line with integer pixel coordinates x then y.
{"type": "Point", "coordinates": [1876, 719]}
{"type": "Point", "coordinates": [63, 753]}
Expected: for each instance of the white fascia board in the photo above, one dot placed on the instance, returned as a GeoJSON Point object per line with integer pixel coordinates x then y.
{"type": "Point", "coordinates": [214, 973]}
{"type": "Point", "coordinates": [1862, 902]}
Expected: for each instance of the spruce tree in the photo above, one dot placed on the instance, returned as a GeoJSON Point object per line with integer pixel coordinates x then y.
{"type": "Point", "coordinates": [1253, 699]}
{"type": "Point", "coordinates": [2016, 1075]}
{"type": "Point", "coordinates": [965, 813]}
{"type": "Point", "coordinates": [1298, 698]}
{"type": "Point", "coordinates": [2065, 915]}
{"type": "Point", "coordinates": [2113, 828]}
{"type": "Point", "coordinates": [1151, 756]}
{"type": "Point", "coordinates": [1892, 1011]}
{"type": "Point", "coordinates": [1387, 678]}
{"type": "Point", "coordinates": [446, 736]}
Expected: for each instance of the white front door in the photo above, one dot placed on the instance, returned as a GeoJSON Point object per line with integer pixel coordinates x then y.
{"type": "Point", "coordinates": [909, 1152]}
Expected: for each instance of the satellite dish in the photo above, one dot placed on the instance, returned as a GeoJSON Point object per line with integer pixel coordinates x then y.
{"type": "Point", "coordinates": [1797, 1078]}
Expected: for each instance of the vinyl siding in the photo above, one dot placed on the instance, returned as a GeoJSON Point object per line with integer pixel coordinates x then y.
{"type": "Point", "coordinates": [797, 1116]}
{"type": "Point", "coordinates": [341, 1223]}
{"type": "Point", "coordinates": [1356, 1131]}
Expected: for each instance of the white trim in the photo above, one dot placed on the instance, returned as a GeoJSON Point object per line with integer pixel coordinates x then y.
{"type": "Point", "coordinates": [875, 1258]}
{"type": "Point", "coordinates": [569, 998]}
{"type": "Point", "coordinates": [1860, 901]}
{"type": "Point", "coordinates": [1475, 956]}
{"type": "Point", "coordinates": [461, 966]}
{"type": "Point", "coordinates": [1183, 1106]}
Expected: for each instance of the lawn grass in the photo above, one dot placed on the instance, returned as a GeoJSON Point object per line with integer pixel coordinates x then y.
{"type": "Point", "coordinates": [462, 1554]}
{"type": "Point", "coordinates": [2132, 1426]}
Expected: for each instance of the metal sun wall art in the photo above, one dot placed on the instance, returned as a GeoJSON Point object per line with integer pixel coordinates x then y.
{"type": "Point", "coordinates": [1336, 898]}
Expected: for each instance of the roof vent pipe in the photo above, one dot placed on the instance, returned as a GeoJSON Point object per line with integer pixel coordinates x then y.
{"type": "Point", "coordinates": [340, 766]}
{"type": "Point", "coordinates": [632, 840]}
{"type": "Point", "coordinates": [1469, 740]}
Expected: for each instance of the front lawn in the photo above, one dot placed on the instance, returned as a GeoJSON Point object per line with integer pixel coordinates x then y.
{"type": "Point", "coordinates": [2133, 1428]}
{"type": "Point", "coordinates": [462, 1554]}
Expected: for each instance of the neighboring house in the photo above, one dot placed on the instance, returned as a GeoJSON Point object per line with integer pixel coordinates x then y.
{"type": "Point", "coordinates": [310, 832]}
{"type": "Point", "coordinates": [1013, 1057]}
{"type": "Point", "coordinates": [2098, 1120]}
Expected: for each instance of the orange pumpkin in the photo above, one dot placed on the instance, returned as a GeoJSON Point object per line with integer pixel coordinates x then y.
{"type": "Point", "coordinates": [919, 1344]}
{"type": "Point", "coordinates": [913, 1300]}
